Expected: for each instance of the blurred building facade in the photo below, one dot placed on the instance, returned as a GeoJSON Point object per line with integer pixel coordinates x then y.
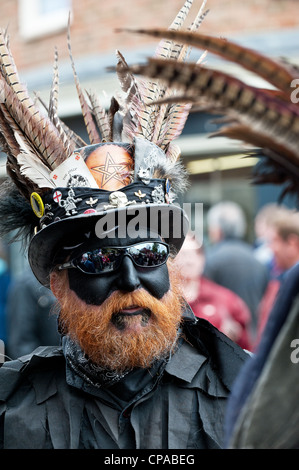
{"type": "Point", "coordinates": [217, 169]}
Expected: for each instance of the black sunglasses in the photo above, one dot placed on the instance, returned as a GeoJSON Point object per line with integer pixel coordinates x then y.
{"type": "Point", "coordinates": [108, 259]}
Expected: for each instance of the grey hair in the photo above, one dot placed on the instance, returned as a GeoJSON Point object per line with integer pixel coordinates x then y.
{"type": "Point", "coordinates": [229, 218]}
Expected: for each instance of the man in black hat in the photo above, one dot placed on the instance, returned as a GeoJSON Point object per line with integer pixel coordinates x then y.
{"type": "Point", "coordinates": [135, 369]}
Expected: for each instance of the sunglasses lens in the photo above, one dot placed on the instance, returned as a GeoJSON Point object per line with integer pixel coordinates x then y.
{"type": "Point", "coordinates": [108, 259]}
{"type": "Point", "coordinates": [101, 260]}
{"type": "Point", "coordinates": [148, 254]}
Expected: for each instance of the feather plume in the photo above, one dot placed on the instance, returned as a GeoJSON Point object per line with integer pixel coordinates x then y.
{"type": "Point", "coordinates": [148, 117]}
{"type": "Point", "coordinates": [8, 68]}
{"type": "Point", "coordinates": [74, 138]}
{"type": "Point", "coordinates": [101, 116]}
{"type": "Point", "coordinates": [53, 102]}
{"type": "Point", "coordinates": [24, 112]}
{"type": "Point", "coordinates": [35, 144]}
{"type": "Point", "coordinates": [7, 129]}
{"type": "Point", "coordinates": [278, 119]}
{"type": "Point", "coordinates": [69, 145]}
{"type": "Point", "coordinates": [114, 107]}
{"type": "Point", "coordinates": [33, 169]}
{"type": "Point", "coordinates": [279, 75]}
{"type": "Point", "coordinates": [126, 79]}
{"type": "Point", "coordinates": [31, 166]}
{"type": "Point", "coordinates": [166, 48]}
{"type": "Point", "coordinates": [262, 118]}
{"type": "Point", "coordinates": [173, 118]}
{"type": "Point", "coordinates": [175, 172]}
{"type": "Point", "coordinates": [133, 103]}
{"type": "Point", "coordinates": [16, 212]}
{"type": "Point", "coordinates": [173, 152]}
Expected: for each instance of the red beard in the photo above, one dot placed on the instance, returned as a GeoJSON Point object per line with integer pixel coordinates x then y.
{"type": "Point", "coordinates": [118, 339]}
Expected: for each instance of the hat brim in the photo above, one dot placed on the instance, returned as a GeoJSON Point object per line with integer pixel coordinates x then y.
{"type": "Point", "coordinates": [45, 245]}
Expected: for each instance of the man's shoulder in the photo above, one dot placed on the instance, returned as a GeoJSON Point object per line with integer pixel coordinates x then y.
{"type": "Point", "coordinates": [41, 361]}
{"type": "Point", "coordinates": [225, 356]}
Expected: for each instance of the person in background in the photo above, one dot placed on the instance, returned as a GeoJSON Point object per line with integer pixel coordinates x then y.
{"type": "Point", "coordinates": [220, 306]}
{"type": "Point", "coordinates": [230, 261]}
{"type": "Point", "coordinates": [30, 322]}
{"type": "Point", "coordinates": [284, 239]}
{"type": "Point", "coordinates": [263, 223]}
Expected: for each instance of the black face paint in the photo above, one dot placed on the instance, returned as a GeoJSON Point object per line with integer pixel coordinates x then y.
{"type": "Point", "coordinates": [95, 289]}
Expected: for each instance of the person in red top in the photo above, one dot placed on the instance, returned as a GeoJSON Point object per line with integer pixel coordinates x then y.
{"type": "Point", "coordinates": [220, 306]}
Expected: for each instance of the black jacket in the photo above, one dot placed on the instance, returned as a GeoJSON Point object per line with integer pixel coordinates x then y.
{"type": "Point", "coordinates": [180, 405]}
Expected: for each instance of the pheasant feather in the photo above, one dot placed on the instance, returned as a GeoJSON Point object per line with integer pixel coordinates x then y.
{"type": "Point", "coordinates": [173, 118]}
{"type": "Point", "coordinates": [53, 102]}
{"type": "Point", "coordinates": [23, 109]}
{"type": "Point", "coordinates": [68, 144]}
{"type": "Point", "coordinates": [133, 100]}
{"type": "Point", "coordinates": [278, 119]}
{"type": "Point", "coordinates": [168, 120]}
{"type": "Point", "coordinates": [8, 68]}
{"type": "Point", "coordinates": [101, 116]}
{"type": "Point", "coordinates": [33, 124]}
{"type": "Point", "coordinates": [73, 138]}
{"type": "Point", "coordinates": [279, 75]}
{"type": "Point", "coordinates": [34, 170]}
{"type": "Point", "coordinates": [263, 118]}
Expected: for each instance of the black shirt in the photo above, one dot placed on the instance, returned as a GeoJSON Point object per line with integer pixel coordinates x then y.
{"type": "Point", "coordinates": [180, 404]}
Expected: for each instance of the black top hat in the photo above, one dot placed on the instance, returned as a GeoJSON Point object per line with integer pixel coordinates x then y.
{"type": "Point", "coordinates": [130, 166]}
{"type": "Point", "coordinates": [70, 215]}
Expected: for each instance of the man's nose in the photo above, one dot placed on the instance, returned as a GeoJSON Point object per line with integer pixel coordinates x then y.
{"type": "Point", "coordinates": [128, 279]}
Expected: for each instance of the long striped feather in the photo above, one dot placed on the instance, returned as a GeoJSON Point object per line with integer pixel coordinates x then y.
{"type": "Point", "coordinates": [279, 75]}
{"type": "Point", "coordinates": [152, 114]}
{"type": "Point", "coordinates": [168, 49]}
{"type": "Point", "coordinates": [9, 71]}
{"type": "Point", "coordinates": [133, 99]}
{"type": "Point", "coordinates": [31, 166]}
{"type": "Point", "coordinates": [7, 128]}
{"type": "Point", "coordinates": [170, 120]}
{"type": "Point", "coordinates": [76, 140]}
{"type": "Point", "coordinates": [53, 101]}
{"type": "Point", "coordinates": [175, 118]}
{"type": "Point", "coordinates": [276, 118]}
{"type": "Point", "coordinates": [254, 137]}
{"type": "Point", "coordinates": [17, 93]}
{"type": "Point", "coordinates": [38, 128]}
{"type": "Point", "coordinates": [68, 144]}
{"type": "Point", "coordinates": [100, 115]}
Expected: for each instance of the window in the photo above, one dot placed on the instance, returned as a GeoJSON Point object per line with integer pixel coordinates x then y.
{"type": "Point", "coordinates": [41, 17]}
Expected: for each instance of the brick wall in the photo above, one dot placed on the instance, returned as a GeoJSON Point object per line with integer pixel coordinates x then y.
{"type": "Point", "coordinates": [94, 22]}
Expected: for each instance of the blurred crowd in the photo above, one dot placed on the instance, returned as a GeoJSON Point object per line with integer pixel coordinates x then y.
{"type": "Point", "coordinates": [227, 281]}
{"type": "Point", "coordinates": [233, 283]}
